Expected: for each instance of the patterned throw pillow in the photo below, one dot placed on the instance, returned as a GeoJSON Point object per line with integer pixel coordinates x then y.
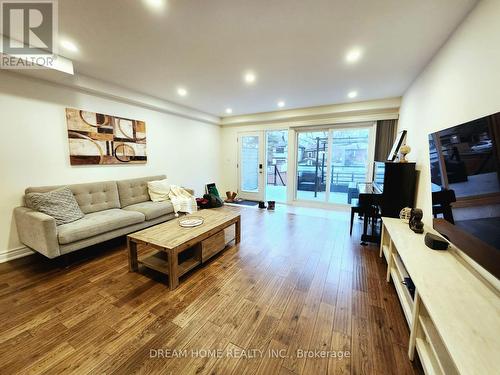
{"type": "Point", "coordinates": [60, 204]}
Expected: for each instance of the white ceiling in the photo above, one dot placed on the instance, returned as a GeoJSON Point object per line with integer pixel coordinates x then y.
{"type": "Point", "coordinates": [297, 48]}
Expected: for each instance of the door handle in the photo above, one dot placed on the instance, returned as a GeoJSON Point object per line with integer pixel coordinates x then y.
{"type": "Point", "coordinates": [260, 168]}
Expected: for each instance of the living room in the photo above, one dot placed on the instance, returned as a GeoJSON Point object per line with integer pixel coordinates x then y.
{"type": "Point", "coordinates": [123, 138]}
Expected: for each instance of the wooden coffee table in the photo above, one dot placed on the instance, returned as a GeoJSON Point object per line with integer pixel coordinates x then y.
{"type": "Point", "coordinates": [180, 249]}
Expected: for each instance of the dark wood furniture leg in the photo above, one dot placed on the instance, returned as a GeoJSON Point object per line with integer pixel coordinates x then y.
{"type": "Point", "coordinates": [132, 256]}
{"type": "Point", "coordinates": [352, 219]}
{"type": "Point", "coordinates": [365, 224]}
{"type": "Point", "coordinates": [237, 230]}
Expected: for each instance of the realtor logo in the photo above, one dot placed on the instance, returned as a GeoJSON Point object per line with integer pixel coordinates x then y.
{"type": "Point", "coordinates": [29, 33]}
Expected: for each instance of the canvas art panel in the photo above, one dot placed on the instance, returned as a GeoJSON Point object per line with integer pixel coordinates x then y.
{"type": "Point", "coordinates": [96, 138]}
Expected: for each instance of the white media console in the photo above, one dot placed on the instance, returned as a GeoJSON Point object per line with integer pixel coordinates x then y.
{"type": "Point", "coordinates": [454, 317]}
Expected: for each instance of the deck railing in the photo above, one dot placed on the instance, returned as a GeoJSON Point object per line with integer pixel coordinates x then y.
{"type": "Point", "coordinates": [275, 177]}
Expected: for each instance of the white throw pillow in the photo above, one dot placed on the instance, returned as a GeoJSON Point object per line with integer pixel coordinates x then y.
{"type": "Point", "coordinates": [158, 190]}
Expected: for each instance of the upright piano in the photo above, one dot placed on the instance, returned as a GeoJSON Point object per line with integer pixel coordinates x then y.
{"type": "Point", "coordinates": [392, 189]}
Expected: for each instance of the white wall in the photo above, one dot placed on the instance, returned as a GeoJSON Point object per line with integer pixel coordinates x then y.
{"type": "Point", "coordinates": [461, 83]}
{"type": "Point", "coordinates": [34, 149]}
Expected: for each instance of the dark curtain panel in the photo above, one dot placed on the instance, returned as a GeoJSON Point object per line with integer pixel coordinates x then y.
{"type": "Point", "coordinates": [386, 134]}
{"type": "Point", "coordinates": [494, 124]}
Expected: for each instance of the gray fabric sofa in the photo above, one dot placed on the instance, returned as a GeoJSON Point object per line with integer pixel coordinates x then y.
{"type": "Point", "coordinates": [111, 208]}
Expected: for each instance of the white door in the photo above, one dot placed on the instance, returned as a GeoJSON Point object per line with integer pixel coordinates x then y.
{"type": "Point", "coordinates": [251, 156]}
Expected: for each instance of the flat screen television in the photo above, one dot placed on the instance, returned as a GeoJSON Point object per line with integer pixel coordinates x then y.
{"type": "Point", "coordinates": [465, 183]}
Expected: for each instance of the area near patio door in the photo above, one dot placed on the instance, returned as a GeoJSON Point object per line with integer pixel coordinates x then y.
{"type": "Point", "coordinates": [332, 162]}
{"type": "Point", "coordinates": [263, 163]}
{"type": "Point", "coordinates": [251, 168]}
{"type": "Point", "coordinates": [277, 165]}
{"type": "Point", "coordinates": [329, 165]}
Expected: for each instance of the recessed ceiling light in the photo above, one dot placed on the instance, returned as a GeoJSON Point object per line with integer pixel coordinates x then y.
{"type": "Point", "coordinates": [70, 46]}
{"type": "Point", "coordinates": [229, 111]}
{"type": "Point", "coordinates": [182, 91]}
{"type": "Point", "coordinates": [353, 55]}
{"type": "Point", "coordinates": [156, 4]}
{"type": "Point", "coordinates": [281, 104]}
{"type": "Point", "coordinates": [250, 77]}
{"type": "Point", "coordinates": [352, 94]}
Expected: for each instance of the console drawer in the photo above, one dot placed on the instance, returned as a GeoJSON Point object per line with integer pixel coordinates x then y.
{"type": "Point", "coordinates": [212, 245]}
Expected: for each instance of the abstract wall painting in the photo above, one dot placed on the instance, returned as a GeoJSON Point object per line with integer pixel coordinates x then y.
{"type": "Point", "coordinates": [95, 138]}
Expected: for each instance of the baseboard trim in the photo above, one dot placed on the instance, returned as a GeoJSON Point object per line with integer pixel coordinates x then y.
{"type": "Point", "coordinates": [16, 253]}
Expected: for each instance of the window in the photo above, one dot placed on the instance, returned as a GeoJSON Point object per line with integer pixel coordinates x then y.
{"type": "Point", "coordinates": [332, 162]}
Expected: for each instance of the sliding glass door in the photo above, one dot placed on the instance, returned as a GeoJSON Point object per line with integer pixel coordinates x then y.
{"type": "Point", "coordinates": [276, 165]}
{"type": "Point", "coordinates": [350, 164]}
{"type": "Point", "coordinates": [312, 163]}
{"type": "Point", "coordinates": [331, 163]}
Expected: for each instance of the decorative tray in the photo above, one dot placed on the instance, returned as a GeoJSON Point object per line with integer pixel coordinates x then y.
{"type": "Point", "coordinates": [190, 221]}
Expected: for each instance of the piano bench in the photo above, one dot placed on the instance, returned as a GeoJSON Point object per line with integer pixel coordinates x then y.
{"type": "Point", "coordinates": [355, 209]}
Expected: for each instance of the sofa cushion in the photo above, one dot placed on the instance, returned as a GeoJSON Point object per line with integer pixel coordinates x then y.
{"type": "Point", "coordinates": [158, 190]}
{"type": "Point", "coordinates": [91, 197]}
{"type": "Point", "coordinates": [135, 190]}
{"type": "Point", "coordinates": [97, 223]}
{"type": "Point", "coordinates": [60, 204]}
{"type": "Point", "coordinates": [152, 210]}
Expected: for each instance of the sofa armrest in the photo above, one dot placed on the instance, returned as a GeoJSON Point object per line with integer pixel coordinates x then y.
{"type": "Point", "coordinates": [38, 231]}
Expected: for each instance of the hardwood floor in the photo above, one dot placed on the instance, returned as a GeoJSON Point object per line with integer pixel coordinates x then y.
{"type": "Point", "coordinates": [295, 283]}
